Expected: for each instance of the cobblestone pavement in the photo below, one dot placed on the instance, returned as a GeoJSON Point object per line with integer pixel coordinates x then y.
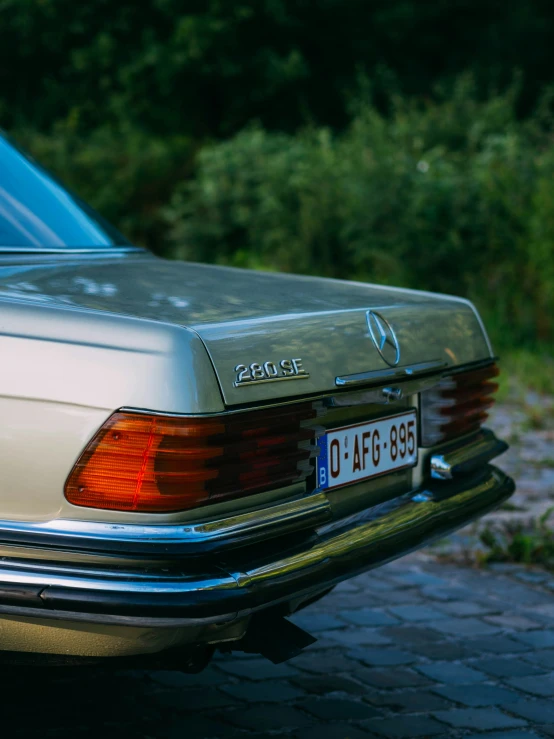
{"type": "Point", "coordinates": [414, 649]}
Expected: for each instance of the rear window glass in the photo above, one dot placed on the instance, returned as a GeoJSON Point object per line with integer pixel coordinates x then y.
{"type": "Point", "coordinates": [36, 211]}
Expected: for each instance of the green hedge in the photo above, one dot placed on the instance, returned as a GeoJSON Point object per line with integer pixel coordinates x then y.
{"type": "Point", "coordinates": [455, 196]}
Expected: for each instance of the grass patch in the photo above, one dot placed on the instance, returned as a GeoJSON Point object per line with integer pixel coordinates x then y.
{"type": "Point", "coordinates": [530, 543]}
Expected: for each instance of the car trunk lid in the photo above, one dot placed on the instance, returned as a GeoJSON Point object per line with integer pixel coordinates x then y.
{"type": "Point", "coordinates": [292, 355]}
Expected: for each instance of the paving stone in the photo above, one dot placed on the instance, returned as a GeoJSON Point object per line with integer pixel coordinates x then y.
{"type": "Point", "coordinates": [268, 718]}
{"type": "Point", "coordinates": [263, 692]}
{"type": "Point", "coordinates": [419, 578]}
{"type": "Point", "coordinates": [507, 667]}
{"type": "Point", "coordinates": [497, 645]}
{"type": "Point", "coordinates": [368, 617]}
{"type": "Point", "coordinates": [447, 593]}
{"type": "Point", "coordinates": [358, 599]}
{"type": "Point", "coordinates": [512, 621]}
{"type": "Point", "coordinates": [339, 709]}
{"type": "Point", "coordinates": [482, 719]}
{"type": "Point", "coordinates": [476, 695]}
{"type": "Point", "coordinates": [542, 657]}
{"type": "Point", "coordinates": [541, 685]}
{"type": "Point", "coordinates": [401, 596]}
{"type": "Point", "coordinates": [510, 593]}
{"type": "Point", "coordinates": [465, 627]}
{"type": "Point", "coordinates": [441, 650]}
{"type": "Point", "coordinates": [382, 657]}
{"type": "Point", "coordinates": [539, 711]}
{"type": "Point", "coordinates": [324, 684]}
{"type": "Point", "coordinates": [398, 677]}
{"type": "Point", "coordinates": [537, 639]}
{"type": "Point", "coordinates": [465, 608]}
{"type": "Point", "coordinates": [316, 621]}
{"type": "Point", "coordinates": [409, 702]}
{"type": "Point", "coordinates": [323, 662]}
{"type": "Point", "coordinates": [545, 612]}
{"type": "Point", "coordinates": [257, 669]}
{"type": "Point", "coordinates": [358, 637]}
{"type": "Point", "coordinates": [406, 726]}
{"type": "Point", "coordinates": [364, 580]}
{"type": "Point", "coordinates": [416, 613]}
{"type": "Point", "coordinates": [332, 731]}
{"type": "Point", "coordinates": [451, 673]}
{"type": "Point", "coordinates": [412, 634]}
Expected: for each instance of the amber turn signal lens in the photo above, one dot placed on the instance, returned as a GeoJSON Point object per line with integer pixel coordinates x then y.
{"type": "Point", "coordinates": [149, 463]}
{"type": "Point", "coordinates": [458, 405]}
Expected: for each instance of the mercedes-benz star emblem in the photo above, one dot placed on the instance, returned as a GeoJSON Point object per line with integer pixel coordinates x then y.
{"type": "Point", "coordinates": [384, 338]}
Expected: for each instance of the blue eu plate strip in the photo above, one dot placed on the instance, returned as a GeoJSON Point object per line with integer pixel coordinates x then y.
{"type": "Point", "coordinates": [322, 463]}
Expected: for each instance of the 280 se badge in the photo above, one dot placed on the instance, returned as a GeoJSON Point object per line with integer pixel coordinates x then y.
{"type": "Point", "coordinates": [256, 374]}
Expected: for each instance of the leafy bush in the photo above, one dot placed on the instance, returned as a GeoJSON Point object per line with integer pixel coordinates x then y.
{"type": "Point", "coordinates": [126, 174]}
{"type": "Point", "coordinates": [454, 196]}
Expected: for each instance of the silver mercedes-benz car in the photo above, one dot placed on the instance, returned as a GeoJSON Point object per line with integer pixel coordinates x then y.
{"type": "Point", "coordinates": [190, 453]}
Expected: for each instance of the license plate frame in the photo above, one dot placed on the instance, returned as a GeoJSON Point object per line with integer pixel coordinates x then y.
{"type": "Point", "coordinates": [347, 453]}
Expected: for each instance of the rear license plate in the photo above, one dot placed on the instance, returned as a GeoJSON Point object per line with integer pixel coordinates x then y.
{"type": "Point", "coordinates": [354, 453]}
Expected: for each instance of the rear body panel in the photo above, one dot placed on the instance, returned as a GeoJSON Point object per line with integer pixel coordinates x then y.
{"type": "Point", "coordinates": [84, 335]}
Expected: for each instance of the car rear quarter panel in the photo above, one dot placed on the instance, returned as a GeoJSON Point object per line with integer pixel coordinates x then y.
{"type": "Point", "coordinates": [63, 372]}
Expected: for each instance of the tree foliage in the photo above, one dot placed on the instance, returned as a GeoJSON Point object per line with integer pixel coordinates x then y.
{"type": "Point", "coordinates": [208, 67]}
{"type": "Point", "coordinates": [454, 196]}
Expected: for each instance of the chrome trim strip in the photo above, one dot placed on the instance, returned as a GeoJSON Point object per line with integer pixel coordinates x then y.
{"type": "Point", "coordinates": [171, 539]}
{"type": "Point", "coordinates": [376, 377]}
{"type": "Point", "coordinates": [466, 456]}
{"type": "Point", "coordinates": [381, 395]}
{"type": "Point", "coordinates": [253, 582]}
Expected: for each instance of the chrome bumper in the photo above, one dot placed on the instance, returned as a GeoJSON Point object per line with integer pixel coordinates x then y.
{"type": "Point", "coordinates": [238, 582]}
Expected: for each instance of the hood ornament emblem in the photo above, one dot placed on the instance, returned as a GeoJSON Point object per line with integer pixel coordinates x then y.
{"type": "Point", "coordinates": [384, 338]}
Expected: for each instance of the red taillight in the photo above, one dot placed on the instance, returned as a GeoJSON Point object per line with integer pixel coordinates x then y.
{"type": "Point", "coordinates": [458, 405]}
{"type": "Point", "coordinates": [148, 463]}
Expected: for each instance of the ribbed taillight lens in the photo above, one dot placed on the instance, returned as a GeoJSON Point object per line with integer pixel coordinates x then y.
{"type": "Point", "coordinates": [458, 405]}
{"type": "Point", "coordinates": [149, 463]}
